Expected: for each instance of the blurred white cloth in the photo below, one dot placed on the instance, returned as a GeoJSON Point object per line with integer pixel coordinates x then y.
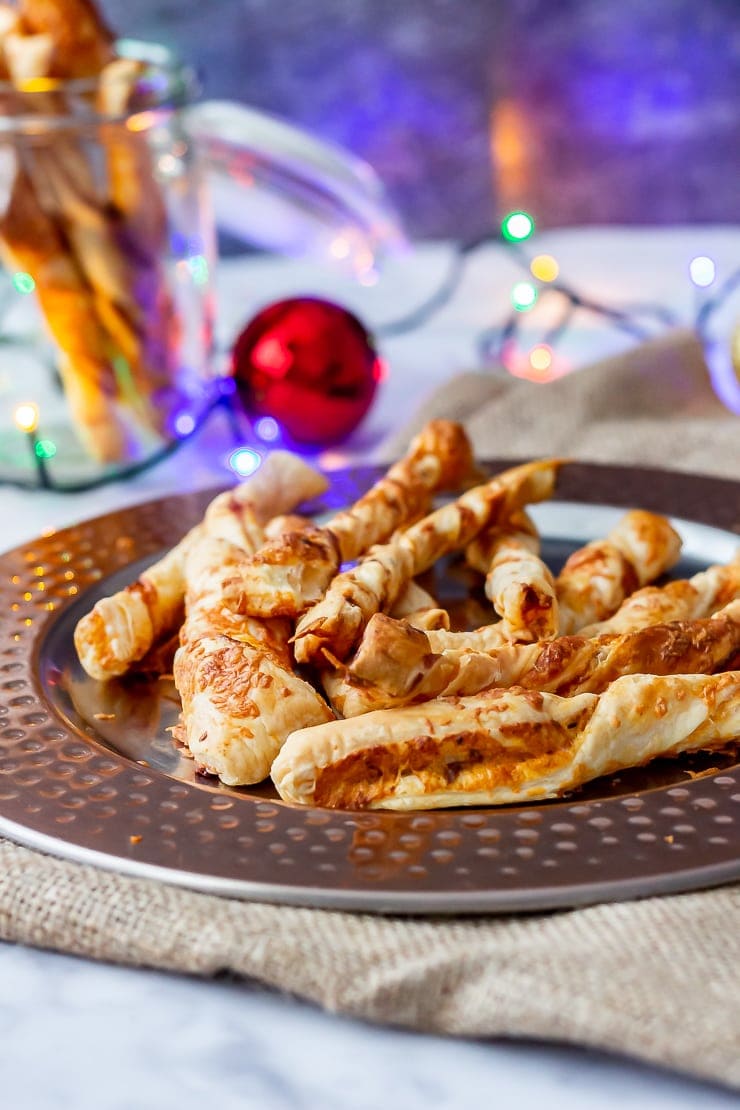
{"type": "Point", "coordinates": [617, 266]}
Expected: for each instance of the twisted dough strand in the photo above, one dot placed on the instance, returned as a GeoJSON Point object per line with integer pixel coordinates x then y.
{"type": "Point", "coordinates": [504, 746]}
{"type": "Point", "coordinates": [240, 694]}
{"type": "Point", "coordinates": [120, 630]}
{"type": "Point", "coordinates": [598, 577]}
{"type": "Point", "coordinates": [684, 599]}
{"type": "Point", "coordinates": [338, 620]}
{"type": "Point", "coordinates": [288, 575]}
{"type": "Point", "coordinates": [519, 584]}
{"type": "Point", "coordinates": [394, 665]}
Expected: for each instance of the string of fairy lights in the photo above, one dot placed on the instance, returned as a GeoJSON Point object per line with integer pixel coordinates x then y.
{"type": "Point", "coordinates": [503, 344]}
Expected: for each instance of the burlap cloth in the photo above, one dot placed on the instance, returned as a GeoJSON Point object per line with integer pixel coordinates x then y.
{"type": "Point", "coordinates": [657, 979]}
{"type": "Point", "coordinates": [653, 406]}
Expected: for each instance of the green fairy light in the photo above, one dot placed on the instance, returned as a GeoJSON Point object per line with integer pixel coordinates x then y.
{"type": "Point", "coordinates": [198, 267]}
{"type": "Point", "coordinates": [517, 226]}
{"type": "Point", "coordinates": [45, 449]}
{"type": "Point", "coordinates": [23, 282]}
{"type": "Point", "coordinates": [524, 296]}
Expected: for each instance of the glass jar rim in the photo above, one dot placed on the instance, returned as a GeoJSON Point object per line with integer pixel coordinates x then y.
{"type": "Point", "coordinates": [165, 83]}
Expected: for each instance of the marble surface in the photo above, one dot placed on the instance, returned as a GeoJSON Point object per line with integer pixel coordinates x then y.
{"type": "Point", "coordinates": [85, 1036]}
{"type": "Point", "coordinates": [582, 111]}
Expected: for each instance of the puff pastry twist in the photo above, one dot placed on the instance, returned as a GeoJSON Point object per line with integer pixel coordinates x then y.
{"type": "Point", "coordinates": [394, 665]}
{"type": "Point", "coordinates": [519, 584]}
{"type": "Point", "coordinates": [240, 694]}
{"type": "Point", "coordinates": [504, 746]}
{"type": "Point", "coordinates": [334, 625]}
{"type": "Point", "coordinates": [120, 630]}
{"type": "Point", "coordinates": [289, 575]}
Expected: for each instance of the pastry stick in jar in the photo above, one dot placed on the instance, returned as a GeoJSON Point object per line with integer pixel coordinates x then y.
{"type": "Point", "coordinates": [124, 271]}
{"type": "Point", "coordinates": [129, 160]}
{"type": "Point", "coordinates": [136, 198]}
{"type": "Point", "coordinates": [127, 283]}
{"type": "Point", "coordinates": [331, 628]}
{"type": "Point", "coordinates": [519, 585]}
{"type": "Point", "coordinates": [83, 43]}
{"type": "Point", "coordinates": [598, 577]}
{"type": "Point", "coordinates": [26, 57]}
{"type": "Point", "coordinates": [121, 630]}
{"type": "Point", "coordinates": [504, 746]}
{"type": "Point", "coordinates": [32, 243]}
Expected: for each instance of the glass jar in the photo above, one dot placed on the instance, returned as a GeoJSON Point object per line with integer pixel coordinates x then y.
{"type": "Point", "coordinates": [108, 246]}
{"type": "Point", "coordinates": [106, 306]}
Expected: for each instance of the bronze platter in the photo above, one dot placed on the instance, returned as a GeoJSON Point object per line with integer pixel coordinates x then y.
{"type": "Point", "coordinates": [88, 771]}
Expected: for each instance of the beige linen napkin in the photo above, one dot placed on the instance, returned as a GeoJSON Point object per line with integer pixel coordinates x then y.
{"type": "Point", "coordinates": [657, 979]}
{"type": "Point", "coordinates": [654, 406]}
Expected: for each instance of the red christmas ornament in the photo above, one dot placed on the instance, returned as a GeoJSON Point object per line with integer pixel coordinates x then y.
{"type": "Point", "coordinates": [310, 365]}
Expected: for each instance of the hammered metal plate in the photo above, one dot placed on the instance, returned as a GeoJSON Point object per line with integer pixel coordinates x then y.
{"type": "Point", "coordinates": [88, 772]}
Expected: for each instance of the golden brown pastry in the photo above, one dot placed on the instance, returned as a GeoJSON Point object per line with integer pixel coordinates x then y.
{"type": "Point", "coordinates": [597, 578]}
{"type": "Point", "coordinates": [129, 157]}
{"type": "Point", "coordinates": [92, 241]}
{"type": "Point", "coordinates": [412, 599]}
{"type": "Point", "coordinates": [429, 620]}
{"type": "Point", "coordinates": [331, 628]}
{"type": "Point", "coordinates": [26, 57]}
{"type": "Point", "coordinates": [439, 458]}
{"type": "Point", "coordinates": [519, 584]}
{"type": "Point", "coordinates": [31, 242]}
{"type": "Point", "coordinates": [9, 26]}
{"type": "Point", "coordinates": [240, 694]}
{"type": "Point", "coordinates": [290, 574]}
{"type": "Point", "coordinates": [120, 630]}
{"type": "Point", "coordinates": [83, 43]}
{"type": "Point", "coordinates": [685, 599]}
{"type": "Point", "coordinates": [487, 638]}
{"type": "Point", "coordinates": [123, 270]}
{"type": "Point", "coordinates": [287, 522]}
{"type": "Point", "coordinates": [504, 746]}
{"type": "Point", "coordinates": [394, 665]}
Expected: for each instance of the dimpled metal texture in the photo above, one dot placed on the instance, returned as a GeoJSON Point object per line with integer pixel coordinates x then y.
{"type": "Point", "coordinates": [70, 785]}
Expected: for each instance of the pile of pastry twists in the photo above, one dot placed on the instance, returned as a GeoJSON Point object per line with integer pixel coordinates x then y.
{"type": "Point", "coordinates": [83, 215]}
{"type": "Point", "coordinates": [348, 685]}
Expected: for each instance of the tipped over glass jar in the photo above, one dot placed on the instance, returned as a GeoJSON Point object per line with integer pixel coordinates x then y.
{"type": "Point", "coordinates": [108, 250]}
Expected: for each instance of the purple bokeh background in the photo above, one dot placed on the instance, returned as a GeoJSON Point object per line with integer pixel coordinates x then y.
{"type": "Point", "coordinates": [601, 112]}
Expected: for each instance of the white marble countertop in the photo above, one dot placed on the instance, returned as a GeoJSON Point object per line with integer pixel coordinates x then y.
{"type": "Point", "coordinates": [83, 1036]}
{"type": "Point", "coordinates": [93, 1037]}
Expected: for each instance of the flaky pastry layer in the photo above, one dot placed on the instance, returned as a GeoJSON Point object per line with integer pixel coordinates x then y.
{"type": "Point", "coordinates": [120, 630]}
{"type": "Point", "coordinates": [291, 574]}
{"type": "Point", "coordinates": [394, 665]}
{"type": "Point", "coordinates": [335, 624]}
{"type": "Point", "coordinates": [598, 577]}
{"type": "Point", "coordinates": [235, 676]}
{"type": "Point", "coordinates": [505, 746]}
